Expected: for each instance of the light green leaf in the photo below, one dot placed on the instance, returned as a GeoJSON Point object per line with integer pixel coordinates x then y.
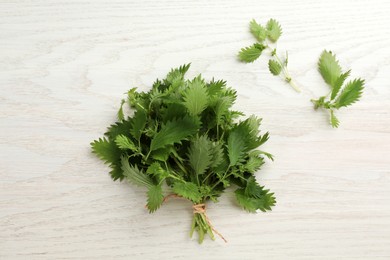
{"type": "Point", "coordinates": [254, 161]}
{"type": "Point", "coordinates": [339, 82]}
{"type": "Point", "coordinates": [121, 116]}
{"type": "Point", "coordinates": [125, 143]}
{"type": "Point", "coordinates": [222, 107]}
{"type": "Point", "coordinates": [350, 94]}
{"type": "Point", "coordinates": [333, 120]}
{"type": "Point", "coordinates": [174, 132]}
{"type": "Point", "coordinates": [329, 67]}
{"type": "Point", "coordinates": [274, 30]}
{"type": "Point", "coordinates": [257, 30]}
{"type": "Point", "coordinates": [251, 53]}
{"type": "Point", "coordinates": [254, 197]}
{"type": "Point", "coordinates": [177, 73]}
{"type": "Point", "coordinates": [217, 154]}
{"type": "Point", "coordinates": [187, 190]}
{"type": "Point", "coordinates": [196, 96]}
{"type": "Point", "coordinates": [155, 198]}
{"type": "Point", "coordinates": [134, 175]}
{"type": "Point", "coordinates": [274, 67]}
{"type": "Point", "coordinates": [199, 154]}
{"type": "Point", "coordinates": [236, 146]}
{"type": "Point", "coordinates": [157, 171]}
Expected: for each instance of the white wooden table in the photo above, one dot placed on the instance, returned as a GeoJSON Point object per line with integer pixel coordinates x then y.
{"type": "Point", "coordinates": [64, 67]}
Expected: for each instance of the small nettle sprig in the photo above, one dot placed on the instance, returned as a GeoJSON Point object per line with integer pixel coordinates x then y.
{"type": "Point", "coordinates": [267, 38]}
{"type": "Point", "coordinates": [340, 95]}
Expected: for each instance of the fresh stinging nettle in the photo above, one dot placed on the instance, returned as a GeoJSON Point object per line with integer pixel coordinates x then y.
{"type": "Point", "coordinates": [185, 141]}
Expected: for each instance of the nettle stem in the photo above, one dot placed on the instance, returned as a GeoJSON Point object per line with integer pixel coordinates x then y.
{"type": "Point", "coordinates": [286, 74]}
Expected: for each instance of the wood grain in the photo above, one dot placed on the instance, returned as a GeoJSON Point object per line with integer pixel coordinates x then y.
{"type": "Point", "coordinates": [64, 66]}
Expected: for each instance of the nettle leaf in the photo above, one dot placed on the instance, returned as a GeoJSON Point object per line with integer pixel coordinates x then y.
{"type": "Point", "coordinates": [333, 120]}
{"type": "Point", "coordinates": [134, 175]}
{"type": "Point", "coordinates": [120, 114]}
{"type": "Point", "coordinates": [251, 53]}
{"type": "Point", "coordinates": [174, 131]}
{"type": "Point", "coordinates": [177, 73]}
{"type": "Point", "coordinates": [274, 67]}
{"type": "Point", "coordinates": [106, 150]}
{"type": "Point", "coordinates": [155, 198]}
{"type": "Point", "coordinates": [339, 82]}
{"type": "Point", "coordinates": [329, 67]}
{"type": "Point", "coordinates": [258, 31]}
{"type": "Point", "coordinates": [200, 154]}
{"type": "Point", "coordinates": [138, 124]}
{"type": "Point", "coordinates": [196, 96]}
{"type": "Point", "coordinates": [350, 94]}
{"type": "Point", "coordinates": [119, 128]}
{"type": "Point", "coordinates": [274, 30]}
{"type": "Point", "coordinates": [125, 143]}
{"type": "Point", "coordinates": [236, 146]}
{"type": "Point", "coordinates": [157, 171]}
{"type": "Point", "coordinates": [254, 161]}
{"type": "Point", "coordinates": [187, 190]}
{"type": "Point", "coordinates": [254, 197]}
{"type": "Point", "coordinates": [215, 88]}
{"type": "Point", "coordinates": [222, 108]}
{"type": "Point", "coordinates": [217, 154]}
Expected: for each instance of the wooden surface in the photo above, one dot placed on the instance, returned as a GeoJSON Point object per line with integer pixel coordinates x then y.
{"type": "Point", "coordinates": [64, 67]}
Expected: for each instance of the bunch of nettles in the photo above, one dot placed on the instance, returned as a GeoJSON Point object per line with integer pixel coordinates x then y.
{"type": "Point", "coordinates": [184, 140]}
{"type": "Point", "coordinates": [267, 37]}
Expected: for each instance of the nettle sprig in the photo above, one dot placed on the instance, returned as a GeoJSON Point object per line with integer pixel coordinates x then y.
{"type": "Point", "coordinates": [341, 95]}
{"type": "Point", "coordinates": [184, 140]}
{"type": "Point", "coordinates": [267, 38]}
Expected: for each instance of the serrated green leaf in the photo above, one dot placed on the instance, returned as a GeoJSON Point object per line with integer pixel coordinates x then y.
{"type": "Point", "coordinates": [274, 67]}
{"type": "Point", "coordinates": [251, 53]}
{"type": "Point", "coordinates": [125, 143]}
{"type": "Point", "coordinates": [217, 153]}
{"type": "Point", "coordinates": [196, 96]}
{"type": "Point", "coordinates": [329, 67]}
{"type": "Point", "coordinates": [216, 87]}
{"type": "Point", "coordinates": [155, 198]}
{"type": "Point", "coordinates": [254, 162]}
{"type": "Point", "coordinates": [138, 124]}
{"type": "Point", "coordinates": [236, 146]}
{"type": "Point", "coordinates": [268, 155]}
{"type": "Point", "coordinates": [177, 74]}
{"type": "Point", "coordinates": [258, 31]}
{"type": "Point", "coordinates": [187, 190]}
{"type": "Point", "coordinates": [161, 154]}
{"type": "Point", "coordinates": [174, 110]}
{"type": "Point", "coordinates": [339, 82]}
{"type": "Point", "coordinates": [222, 108]}
{"type": "Point", "coordinates": [274, 30]}
{"type": "Point", "coordinates": [116, 172]}
{"type": "Point", "coordinates": [120, 114]}
{"type": "Point", "coordinates": [333, 120]}
{"type": "Point", "coordinates": [106, 150]}
{"type": "Point", "coordinates": [134, 175]}
{"type": "Point", "coordinates": [199, 154]}
{"type": "Point", "coordinates": [174, 131]}
{"type": "Point", "coordinates": [157, 171]}
{"type": "Point", "coordinates": [119, 128]}
{"type": "Point", "coordinates": [350, 94]}
{"type": "Point", "coordinates": [254, 197]}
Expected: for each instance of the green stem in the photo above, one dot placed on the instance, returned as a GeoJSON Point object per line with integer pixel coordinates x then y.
{"type": "Point", "coordinates": [286, 73]}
